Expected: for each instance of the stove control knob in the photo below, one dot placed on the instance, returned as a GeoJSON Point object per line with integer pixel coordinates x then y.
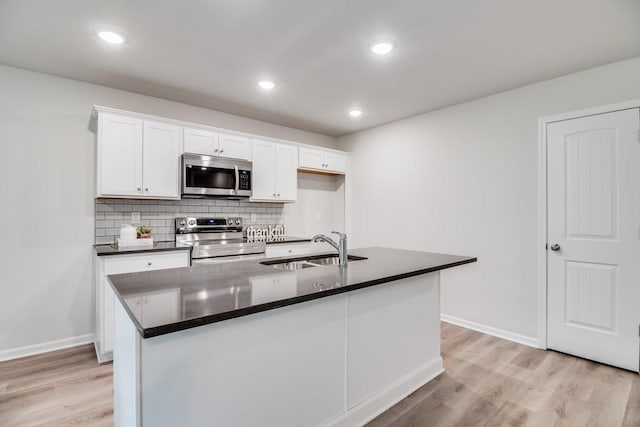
{"type": "Point", "coordinates": [183, 223]}
{"type": "Point", "coordinates": [237, 222]}
{"type": "Point", "coordinates": [230, 221]}
{"type": "Point", "coordinates": [192, 222]}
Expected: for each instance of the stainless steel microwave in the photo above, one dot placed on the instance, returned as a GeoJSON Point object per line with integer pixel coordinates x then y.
{"type": "Point", "coordinates": [204, 176]}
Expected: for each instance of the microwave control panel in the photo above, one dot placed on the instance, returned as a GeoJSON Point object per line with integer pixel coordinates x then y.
{"type": "Point", "coordinates": [245, 180]}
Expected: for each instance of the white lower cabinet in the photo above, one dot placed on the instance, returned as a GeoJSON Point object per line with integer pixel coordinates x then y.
{"type": "Point", "coordinates": [278, 250]}
{"type": "Point", "coordinates": [131, 263]}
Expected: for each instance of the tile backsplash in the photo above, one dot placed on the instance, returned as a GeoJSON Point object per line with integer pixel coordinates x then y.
{"type": "Point", "coordinates": [160, 214]}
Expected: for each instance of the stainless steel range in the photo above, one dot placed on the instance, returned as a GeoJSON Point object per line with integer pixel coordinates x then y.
{"type": "Point", "coordinates": [216, 240]}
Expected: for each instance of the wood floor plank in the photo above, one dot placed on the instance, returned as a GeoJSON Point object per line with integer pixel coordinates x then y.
{"type": "Point", "coordinates": [632, 411]}
{"type": "Point", "coordinates": [487, 382]}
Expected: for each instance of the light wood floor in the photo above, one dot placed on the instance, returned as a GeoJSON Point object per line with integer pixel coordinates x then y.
{"type": "Point", "coordinates": [492, 382]}
{"type": "Point", "coordinates": [488, 382]}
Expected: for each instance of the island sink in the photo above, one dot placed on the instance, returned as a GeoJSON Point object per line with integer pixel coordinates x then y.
{"type": "Point", "coordinates": [316, 261]}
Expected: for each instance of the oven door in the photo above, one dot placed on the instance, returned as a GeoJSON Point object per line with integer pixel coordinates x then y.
{"type": "Point", "coordinates": [211, 176]}
{"type": "Point", "coordinates": [225, 259]}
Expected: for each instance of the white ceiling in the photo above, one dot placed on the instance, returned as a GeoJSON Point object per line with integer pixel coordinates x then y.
{"type": "Point", "coordinates": [211, 52]}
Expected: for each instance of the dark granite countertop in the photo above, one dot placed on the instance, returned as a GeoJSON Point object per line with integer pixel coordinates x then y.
{"type": "Point", "coordinates": [102, 250]}
{"type": "Point", "coordinates": [187, 297]}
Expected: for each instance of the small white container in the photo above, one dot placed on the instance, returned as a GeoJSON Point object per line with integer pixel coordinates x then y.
{"type": "Point", "coordinates": [128, 232]}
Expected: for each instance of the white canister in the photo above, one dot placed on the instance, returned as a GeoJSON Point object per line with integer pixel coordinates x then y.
{"type": "Point", "coordinates": [128, 232]}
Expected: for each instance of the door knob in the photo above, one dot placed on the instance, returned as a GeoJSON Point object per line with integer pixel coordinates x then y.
{"type": "Point", "coordinates": [555, 247]}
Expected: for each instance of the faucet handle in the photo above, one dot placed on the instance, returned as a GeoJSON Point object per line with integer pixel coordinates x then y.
{"type": "Point", "coordinates": [342, 235]}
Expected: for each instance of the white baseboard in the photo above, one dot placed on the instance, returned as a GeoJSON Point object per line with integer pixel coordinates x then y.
{"type": "Point", "coordinates": [370, 408]}
{"type": "Point", "coordinates": [31, 350]}
{"type": "Point", "coordinates": [489, 330]}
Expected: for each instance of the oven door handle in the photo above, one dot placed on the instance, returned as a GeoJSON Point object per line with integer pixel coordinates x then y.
{"type": "Point", "coordinates": [237, 179]}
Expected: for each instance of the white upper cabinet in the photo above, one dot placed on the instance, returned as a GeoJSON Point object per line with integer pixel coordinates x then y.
{"type": "Point", "coordinates": [161, 160]}
{"type": "Point", "coordinates": [312, 159]}
{"type": "Point", "coordinates": [200, 141]}
{"type": "Point", "coordinates": [263, 170]}
{"type": "Point", "coordinates": [137, 158]}
{"type": "Point", "coordinates": [323, 160]}
{"type": "Point", "coordinates": [119, 156]}
{"type": "Point", "coordinates": [235, 146]}
{"type": "Point", "coordinates": [335, 162]}
{"type": "Point", "coordinates": [274, 172]}
{"type": "Point", "coordinates": [286, 172]}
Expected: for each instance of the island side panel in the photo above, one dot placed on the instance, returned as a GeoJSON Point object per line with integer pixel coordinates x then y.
{"type": "Point", "coordinates": [126, 370]}
{"type": "Point", "coordinates": [393, 343]}
{"type": "Point", "coordinates": [281, 367]}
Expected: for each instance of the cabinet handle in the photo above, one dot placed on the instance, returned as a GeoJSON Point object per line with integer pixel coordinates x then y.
{"type": "Point", "coordinates": [149, 263]}
{"type": "Point", "coordinates": [278, 194]}
{"type": "Point", "coordinates": [215, 151]}
{"type": "Point", "coordinates": [274, 194]}
{"type": "Point", "coordinates": [221, 151]}
{"type": "Point", "coordinates": [139, 189]}
{"type": "Point", "coordinates": [146, 189]}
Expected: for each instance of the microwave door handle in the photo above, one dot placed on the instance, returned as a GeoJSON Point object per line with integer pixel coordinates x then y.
{"type": "Point", "coordinates": [237, 178]}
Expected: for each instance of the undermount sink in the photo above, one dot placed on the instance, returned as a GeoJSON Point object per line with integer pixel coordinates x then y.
{"type": "Point", "coordinates": [293, 265]}
{"type": "Point", "coordinates": [333, 260]}
{"type": "Point", "coordinates": [312, 261]}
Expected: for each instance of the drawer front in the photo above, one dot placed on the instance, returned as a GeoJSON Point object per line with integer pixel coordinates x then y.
{"type": "Point", "coordinates": [119, 264]}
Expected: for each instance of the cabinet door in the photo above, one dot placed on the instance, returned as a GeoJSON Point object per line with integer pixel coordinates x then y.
{"type": "Point", "coordinates": [335, 162]}
{"type": "Point", "coordinates": [119, 156]}
{"type": "Point", "coordinates": [286, 173]}
{"type": "Point", "coordinates": [161, 160]}
{"type": "Point", "coordinates": [199, 141]}
{"type": "Point", "coordinates": [311, 159]}
{"type": "Point", "coordinates": [264, 170]}
{"type": "Point", "coordinates": [235, 147]}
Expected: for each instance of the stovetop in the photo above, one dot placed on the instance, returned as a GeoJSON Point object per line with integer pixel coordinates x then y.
{"type": "Point", "coordinates": [215, 237]}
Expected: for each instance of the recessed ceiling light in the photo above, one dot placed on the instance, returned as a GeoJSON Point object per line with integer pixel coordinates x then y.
{"type": "Point", "coordinates": [110, 37]}
{"type": "Point", "coordinates": [355, 113]}
{"type": "Point", "coordinates": [266, 84]}
{"type": "Point", "coordinates": [381, 47]}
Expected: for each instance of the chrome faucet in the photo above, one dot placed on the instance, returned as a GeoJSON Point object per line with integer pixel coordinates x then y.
{"type": "Point", "coordinates": [341, 246]}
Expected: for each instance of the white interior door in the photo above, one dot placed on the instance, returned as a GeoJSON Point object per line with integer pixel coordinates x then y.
{"type": "Point", "coordinates": [593, 285]}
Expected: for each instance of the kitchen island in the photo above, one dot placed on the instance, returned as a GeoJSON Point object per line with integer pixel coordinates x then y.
{"type": "Point", "coordinates": [249, 343]}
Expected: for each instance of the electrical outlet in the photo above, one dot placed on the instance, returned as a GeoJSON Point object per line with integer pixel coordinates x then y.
{"type": "Point", "coordinates": [135, 217]}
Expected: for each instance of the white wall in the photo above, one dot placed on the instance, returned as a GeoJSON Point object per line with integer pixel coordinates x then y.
{"type": "Point", "coordinates": [463, 180]}
{"type": "Point", "coordinates": [319, 208]}
{"type": "Point", "coordinates": [47, 169]}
